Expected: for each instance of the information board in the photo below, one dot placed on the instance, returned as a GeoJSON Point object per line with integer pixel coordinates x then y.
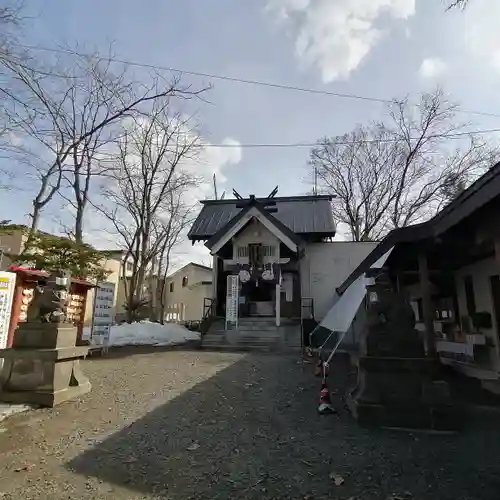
{"type": "Point", "coordinates": [232, 302]}
{"type": "Point", "coordinates": [7, 286]}
{"type": "Point", "coordinates": [103, 314]}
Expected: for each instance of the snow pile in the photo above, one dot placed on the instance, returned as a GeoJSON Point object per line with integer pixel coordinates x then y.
{"type": "Point", "coordinates": [148, 333]}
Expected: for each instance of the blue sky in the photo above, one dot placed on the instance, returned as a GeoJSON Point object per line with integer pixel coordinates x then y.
{"type": "Point", "coordinates": [380, 48]}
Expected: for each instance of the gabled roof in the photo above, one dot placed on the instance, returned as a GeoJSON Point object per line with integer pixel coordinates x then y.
{"type": "Point", "coordinates": [300, 214]}
{"type": "Point", "coordinates": [190, 264]}
{"type": "Point", "coordinates": [260, 209]}
{"type": "Point", "coordinates": [478, 194]}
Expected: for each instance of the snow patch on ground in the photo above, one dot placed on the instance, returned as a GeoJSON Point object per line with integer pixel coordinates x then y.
{"type": "Point", "coordinates": [148, 333]}
{"type": "Point", "coordinates": [6, 410]}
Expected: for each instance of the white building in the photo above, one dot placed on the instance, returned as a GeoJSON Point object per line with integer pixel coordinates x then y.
{"type": "Point", "coordinates": [186, 291]}
{"type": "Point", "coordinates": [282, 251]}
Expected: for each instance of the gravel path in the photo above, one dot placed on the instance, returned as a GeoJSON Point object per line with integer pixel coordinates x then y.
{"type": "Point", "coordinates": [186, 425]}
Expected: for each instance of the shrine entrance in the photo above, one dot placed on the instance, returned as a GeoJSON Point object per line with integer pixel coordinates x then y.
{"type": "Point", "coordinates": [259, 297]}
{"type": "Point", "coordinates": [253, 246]}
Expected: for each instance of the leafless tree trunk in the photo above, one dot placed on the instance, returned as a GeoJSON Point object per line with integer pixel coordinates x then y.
{"type": "Point", "coordinates": [170, 230]}
{"type": "Point", "coordinates": [401, 171]}
{"type": "Point", "coordinates": [76, 110]}
{"type": "Point", "coordinates": [150, 167]}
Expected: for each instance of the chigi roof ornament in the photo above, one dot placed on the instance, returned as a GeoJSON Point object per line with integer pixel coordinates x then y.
{"type": "Point", "coordinates": [267, 203]}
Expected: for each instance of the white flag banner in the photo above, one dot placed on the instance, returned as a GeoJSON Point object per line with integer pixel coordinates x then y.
{"type": "Point", "coordinates": [345, 307]}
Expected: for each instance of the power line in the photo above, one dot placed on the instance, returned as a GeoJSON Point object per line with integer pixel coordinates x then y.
{"type": "Point", "coordinates": [261, 83]}
{"type": "Point", "coordinates": [456, 135]}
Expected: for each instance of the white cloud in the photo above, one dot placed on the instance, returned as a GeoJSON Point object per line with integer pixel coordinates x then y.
{"type": "Point", "coordinates": [336, 35]}
{"type": "Point", "coordinates": [219, 158]}
{"type": "Point", "coordinates": [432, 67]}
{"type": "Point", "coordinates": [213, 160]}
{"type": "Point", "coordinates": [210, 160]}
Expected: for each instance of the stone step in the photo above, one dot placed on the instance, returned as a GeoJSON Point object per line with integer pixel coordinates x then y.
{"type": "Point", "coordinates": [249, 348]}
{"type": "Point", "coordinates": [234, 348]}
{"type": "Point", "coordinates": [241, 336]}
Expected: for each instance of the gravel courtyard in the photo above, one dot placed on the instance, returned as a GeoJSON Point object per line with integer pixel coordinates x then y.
{"type": "Point", "coordinates": [185, 425]}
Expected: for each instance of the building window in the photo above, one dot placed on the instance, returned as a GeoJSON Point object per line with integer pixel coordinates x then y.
{"type": "Point", "coordinates": [129, 266]}
{"type": "Point", "coordinates": [255, 254]}
{"type": "Point", "coordinates": [242, 251]}
{"type": "Point", "coordinates": [171, 288]}
{"type": "Point", "coordinates": [184, 281]}
{"type": "Point", "coordinates": [470, 299]}
{"type": "Point", "coordinates": [269, 250]}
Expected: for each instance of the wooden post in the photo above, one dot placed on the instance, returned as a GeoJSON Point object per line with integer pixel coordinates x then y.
{"type": "Point", "coordinates": [278, 304]}
{"type": "Point", "coordinates": [497, 249]}
{"type": "Point", "coordinates": [215, 276]}
{"type": "Point", "coordinates": [425, 288]}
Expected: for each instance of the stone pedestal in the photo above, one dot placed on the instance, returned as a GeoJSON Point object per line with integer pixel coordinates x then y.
{"type": "Point", "coordinates": [397, 385]}
{"type": "Point", "coordinates": [402, 393]}
{"type": "Point", "coordinates": [45, 335]}
{"type": "Point", "coordinates": [43, 366]}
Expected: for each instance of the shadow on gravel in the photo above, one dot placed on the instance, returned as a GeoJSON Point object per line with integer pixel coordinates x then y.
{"type": "Point", "coordinates": [252, 431]}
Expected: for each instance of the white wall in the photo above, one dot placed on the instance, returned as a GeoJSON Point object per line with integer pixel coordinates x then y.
{"type": "Point", "coordinates": [189, 299]}
{"type": "Point", "coordinates": [325, 266]}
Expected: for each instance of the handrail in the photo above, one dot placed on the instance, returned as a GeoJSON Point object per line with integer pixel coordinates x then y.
{"type": "Point", "coordinates": [209, 306]}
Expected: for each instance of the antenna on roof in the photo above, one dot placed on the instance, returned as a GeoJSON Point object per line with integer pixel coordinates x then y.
{"type": "Point", "coordinates": [237, 195]}
{"type": "Point", "coordinates": [223, 194]}
{"type": "Point", "coordinates": [273, 193]}
{"type": "Point", "coordinates": [215, 186]}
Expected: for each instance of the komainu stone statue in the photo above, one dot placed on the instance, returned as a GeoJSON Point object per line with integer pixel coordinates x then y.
{"type": "Point", "coordinates": [50, 300]}
{"type": "Point", "coordinates": [398, 386]}
{"type": "Point", "coordinates": [390, 325]}
{"type": "Point", "coordinates": [43, 365]}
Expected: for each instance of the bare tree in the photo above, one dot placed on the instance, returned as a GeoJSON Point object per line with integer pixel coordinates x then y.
{"type": "Point", "coordinates": [152, 165]}
{"type": "Point", "coordinates": [461, 4]}
{"type": "Point", "coordinates": [73, 109]}
{"type": "Point", "coordinates": [171, 230]}
{"type": "Point", "coordinates": [401, 171]}
{"type": "Point", "coordinates": [92, 99]}
{"type": "Point", "coordinates": [11, 21]}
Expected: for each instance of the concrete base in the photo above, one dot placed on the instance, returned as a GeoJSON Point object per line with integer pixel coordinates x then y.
{"type": "Point", "coordinates": [402, 393]}
{"type": "Point", "coordinates": [45, 335]}
{"type": "Point", "coordinates": [44, 377]}
{"type": "Point", "coordinates": [492, 386]}
{"type": "Point", "coordinates": [438, 418]}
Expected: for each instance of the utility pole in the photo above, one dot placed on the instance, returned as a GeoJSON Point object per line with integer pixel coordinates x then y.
{"type": "Point", "coordinates": [215, 186]}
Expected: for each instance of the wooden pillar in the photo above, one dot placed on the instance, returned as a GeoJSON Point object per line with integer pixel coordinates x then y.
{"type": "Point", "coordinates": [278, 304]}
{"type": "Point", "coordinates": [425, 288]}
{"type": "Point", "coordinates": [215, 275]}
{"type": "Point", "coordinates": [497, 250]}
